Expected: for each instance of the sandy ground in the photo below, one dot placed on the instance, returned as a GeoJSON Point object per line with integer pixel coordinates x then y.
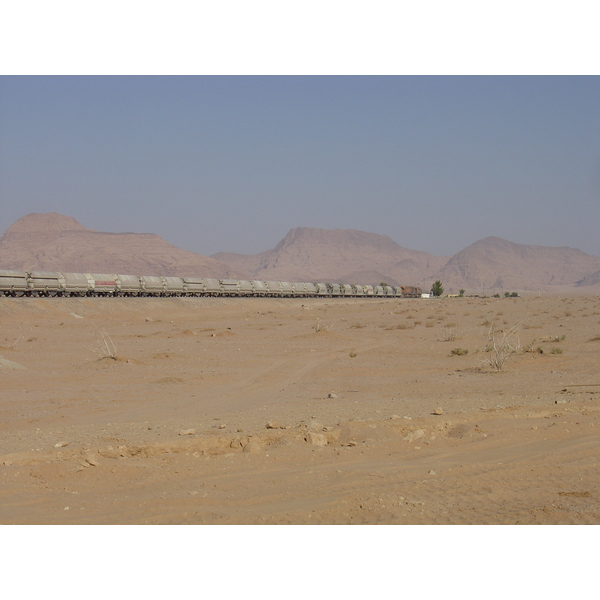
{"type": "Point", "coordinates": [271, 411]}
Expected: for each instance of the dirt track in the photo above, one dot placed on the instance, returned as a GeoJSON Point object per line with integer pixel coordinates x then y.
{"type": "Point", "coordinates": [346, 387]}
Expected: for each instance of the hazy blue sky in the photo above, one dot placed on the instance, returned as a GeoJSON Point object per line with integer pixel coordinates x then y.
{"type": "Point", "coordinates": [232, 163]}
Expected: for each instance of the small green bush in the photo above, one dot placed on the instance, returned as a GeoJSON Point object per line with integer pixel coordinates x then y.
{"type": "Point", "coordinates": [459, 351]}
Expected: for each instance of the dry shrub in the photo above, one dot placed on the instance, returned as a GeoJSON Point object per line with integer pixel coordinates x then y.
{"type": "Point", "coordinates": [320, 327]}
{"type": "Point", "coordinates": [502, 345]}
{"type": "Point", "coordinates": [106, 347]}
{"type": "Point", "coordinates": [459, 351]}
{"type": "Point", "coordinates": [450, 334]}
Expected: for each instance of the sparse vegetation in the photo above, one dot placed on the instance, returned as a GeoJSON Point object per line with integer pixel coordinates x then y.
{"type": "Point", "coordinates": [461, 293]}
{"type": "Point", "coordinates": [530, 348]}
{"type": "Point", "coordinates": [459, 351]}
{"type": "Point", "coordinates": [501, 346]}
{"type": "Point", "coordinates": [450, 334]}
{"type": "Point", "coordinates": [556, 350]}
{"type": "Point", "coordinates": [353, 353]}
{"type": "Point", "coordinates": [106, 347]}
{"type": "Point", "coordinates": [399, 326]}
{"type": "Point", "coordinates": [320, 327]}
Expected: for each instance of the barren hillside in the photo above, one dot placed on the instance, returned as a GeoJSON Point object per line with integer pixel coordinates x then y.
{"type": "Point", "coordinates": [337, 255]}
{"type": "Point", "coordinates": [54, 242]}
{"type": "Point", "coordinates": [496, 264]}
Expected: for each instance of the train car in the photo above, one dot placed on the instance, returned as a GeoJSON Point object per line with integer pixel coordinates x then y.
{"type": "Point", "coordinates": [368, 290]}
{"type": "Point", "coordinates": [245, 288]}
{"type": "Point", "coordinates": [322, 289]}
{"type": "Point", "coordinates": [310, 289]}
{"type": "Point", "coordinates": [229, 287]}
{"type": "Point", "coordinates": [358, 290]}
{"type": "Point", "coordinates": [152, 285]}
{"type": "Point", "coordinates": [128, 285]}
{"type": "Point", "coordinates": [45, 283]}
{"type": "Point", "coordinates": [299, 289]}
{"type": "Point", "coordinates": [260, 288]}
{"type": "Point", "coordinates": [104, 284]}
{"type": "Point", "coordinates": [287, 289]}
{"type": "Point", "coordinates": [409, 291]}
{"type": "Point", "coordinates": [14, 283]}
{"type": "Point", "coordinates": [274, 288]}
{"type": "Point", "coordinates": [76, 284]}
{"type": "Point", "coordinates": [212, 287]}
{"type": "Point", "coordinates": [194, 286]}
{"type": "Point", "coordinates": [333, 289]}
{"type": "Point", "coordinates": [346, 289]}
{"type": "Point", "coordinates": [174, 286]}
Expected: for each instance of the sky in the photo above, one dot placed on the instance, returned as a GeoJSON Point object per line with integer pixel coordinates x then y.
{"type": "Point", "coordinates": [232, 163]}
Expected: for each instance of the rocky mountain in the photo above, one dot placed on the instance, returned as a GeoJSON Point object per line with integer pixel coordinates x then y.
{"type": "Point", "coordinates": [54, 242]}
{"type": "Point", "coordinates": [497, 264]}
{"type": "Point", "coordinates": [593, 279]}
{"type": "Point", "coordinates": [342, 255]}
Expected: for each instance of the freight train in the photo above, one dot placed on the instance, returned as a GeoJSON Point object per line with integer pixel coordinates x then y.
{"type": "Point", "coordinates": [46, 283]}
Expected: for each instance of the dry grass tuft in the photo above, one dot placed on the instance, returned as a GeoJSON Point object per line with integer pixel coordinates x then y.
{"type": "Point", "coordinates": [318, 326]}
{"type": "Point", "coordinates": [106, 347]}
{"type": "Point", "coordinates": [450, 334]}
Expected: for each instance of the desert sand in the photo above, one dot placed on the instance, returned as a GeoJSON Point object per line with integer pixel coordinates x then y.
{"type": "Point", "coordinates": [299, 411]}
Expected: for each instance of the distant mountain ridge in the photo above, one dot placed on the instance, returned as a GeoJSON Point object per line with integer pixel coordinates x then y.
{"type": "Point", "coordinates": [55, 242]}
{"type": "Point", "coordinates": [312, 254]}
{"type": "Point", "coordinates": [488, 266]}
{"type": "Point", "coordinates": [495, 263]}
